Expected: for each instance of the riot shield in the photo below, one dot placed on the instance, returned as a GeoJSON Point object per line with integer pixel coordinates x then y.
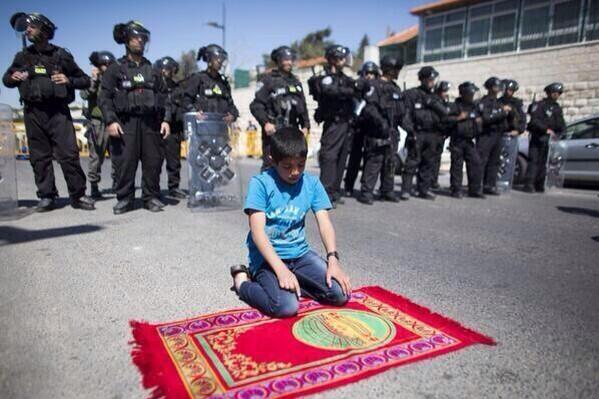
{"type": "Point", "coordinates": [214, 182]}
{"type": "Point", "coordinates": [508, 159]}
{"type": "Point", "coordinates": [556, 164]}
{"type": "Point", "coordinates": [8, 164]}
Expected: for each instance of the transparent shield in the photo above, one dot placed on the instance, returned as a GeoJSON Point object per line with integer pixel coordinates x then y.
{"type": "Point", "coordinates": [556, 164]}
{"type": "Point", "coordinates": [8, 164]}
{"type": "Point", "coordinates": [214, 180]}
{"type": "Point", "coordinates": [508, 159]}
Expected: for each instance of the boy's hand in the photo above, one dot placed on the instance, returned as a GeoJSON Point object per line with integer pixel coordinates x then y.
{"type": "Point", "coordinates": [288, 281]}
{"type": "Point", "coordinates": [334, 272]}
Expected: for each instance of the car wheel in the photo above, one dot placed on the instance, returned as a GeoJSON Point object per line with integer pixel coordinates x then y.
{"type": "Point", "coordinates": [520, 170]}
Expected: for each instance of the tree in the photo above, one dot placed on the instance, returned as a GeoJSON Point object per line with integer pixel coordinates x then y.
{"type": "Point", "coordinates": [313, 44]}
{"type": "Point", "coordinates": [187, 64]}
{"type": "Point", "coordinates": [359, 59]}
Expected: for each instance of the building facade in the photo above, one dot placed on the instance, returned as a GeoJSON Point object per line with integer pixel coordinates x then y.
{"type": "Point", "coordinates": [459, 29]}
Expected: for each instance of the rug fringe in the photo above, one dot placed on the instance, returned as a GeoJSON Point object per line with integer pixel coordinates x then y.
{"type": "Point", "coordinates": [438, 320]}
{"type": "Point", "coordinates": [154, 364]}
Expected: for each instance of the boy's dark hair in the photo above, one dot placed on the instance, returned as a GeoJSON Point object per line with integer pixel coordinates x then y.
{"type": "Point", "coordinates": [288, 142]}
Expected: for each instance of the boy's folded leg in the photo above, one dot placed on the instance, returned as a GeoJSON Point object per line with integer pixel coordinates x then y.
{"type": "Point", "coordinates": [265, 295]}
{"type": "Point", "coordinates": [311, 271]}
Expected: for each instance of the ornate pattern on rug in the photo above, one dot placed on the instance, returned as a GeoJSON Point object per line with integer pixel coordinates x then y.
{"type": "Point", "coordinates": [244, 354]}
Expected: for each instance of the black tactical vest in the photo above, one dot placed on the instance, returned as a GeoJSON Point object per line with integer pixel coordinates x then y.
{"type": "Point", "coordinates": [38, 87]}
{"type": "Point", "coordinates": [136, 90]}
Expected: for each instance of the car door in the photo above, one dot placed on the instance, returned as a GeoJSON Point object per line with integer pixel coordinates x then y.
{"type": "Point", "coordinates": [582, 151]}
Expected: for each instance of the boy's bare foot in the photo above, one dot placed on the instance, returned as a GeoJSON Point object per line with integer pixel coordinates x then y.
{"type": "Point", "coordinates": [240, 274]}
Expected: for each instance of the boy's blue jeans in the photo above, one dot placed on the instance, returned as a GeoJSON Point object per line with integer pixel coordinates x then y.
{"type": "Point", "coordinates": [265, 294]}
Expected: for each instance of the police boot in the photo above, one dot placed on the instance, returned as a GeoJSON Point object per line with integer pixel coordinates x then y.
{"type": "Point", "coordinates": [84, 202]}
{"type": "Point", "coordinates": [491, 191]}
{"type": "Point", "coordinates": [365, 199]}
{"type": "Point", "coordinates": [122, 206]}
{"type": "Point", "coordinates": [435, 185]}
{"type": "Point", "coordinates": [476, 194]}
{"type": "Point", "coordinates": [177, 193]}
{"type": "Point", "coordinates": [459, 194]}
{"type": "Point", "coordinates": [528, 189]}
{"type": "Point", "coordinates": [427, 195]}
{"type": "Point", "coordinates": [540, 188]}
{"type": "Point", "coordinates": [389, 196]}
{"type": "Point", "coordinates": [95, 191]}
{"type": "Point", "coordinates": [154, 205]}
{"type": "Point", "coordinates": [45, 204]}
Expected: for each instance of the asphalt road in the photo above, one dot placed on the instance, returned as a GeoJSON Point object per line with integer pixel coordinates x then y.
{"type": "Point", "coordinates": [521, 268]}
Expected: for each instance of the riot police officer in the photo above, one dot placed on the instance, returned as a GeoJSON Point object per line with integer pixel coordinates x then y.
{"type": "Point", "coordinates": [279, 100]}
{"type": "Point", "coordinates": [209, 90]}
{"type": "Point", "coordinates": [441, 99]}
{"type": "Point", "coordinates": [96, 134]}
{"type": "Point", "coordinates": [515, 122]}
{"type": "Point", "coordinates": [334, 92]}
{"type": "Point", "coordinates": [47, 77]}
{"type": "Point", "coordinates": [368, 72]}
{"type": "Point", "coordinates": [489, 143]}
{"type": "Point", "coordinates": [424, 137]}
{"type": "Point", "coordinates": [383, 113]}
{"type": "Point", "coordinates": [546, 122]}
{"type": "Point", "coordinates": [167, 68]}
{"type": "Point", "coordinates": [129, 105]}
{"type": "Point", "coordinates": [465, 121]}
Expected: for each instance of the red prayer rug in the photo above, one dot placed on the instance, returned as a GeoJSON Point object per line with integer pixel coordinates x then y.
{"type": "Point", "coordinates": [243, 354]}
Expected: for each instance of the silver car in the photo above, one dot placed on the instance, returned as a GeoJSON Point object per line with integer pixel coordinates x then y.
{"type": "Point", "coordinates": [581, 161]}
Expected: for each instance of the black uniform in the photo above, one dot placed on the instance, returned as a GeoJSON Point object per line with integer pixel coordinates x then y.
{"type": "Point", "coordinates": [489, 142]}
{"type": "Point", "coordinates": [516, 118]}
{"type": "Point", "coordinates": [48, 121]}
{"type": "Point", "coordinates": [425, 136]}
{"type": "Point", "coordinates": [356, 151]}
{"type": "Point", "coordinates": [462, 146]}
{"type": "Point", "coordinates": [170, 101]}
{"type": "Point", "coordinates": [335, 108]}
{"type": "Point", "coordinates": [384, 112]}
{"type": "Point", "coordinates": [444, 107]}
{"type": "Point", "coordinates": [279, 100]}
{"type": "Point", "coordinates": [129, 96]}
{"type": "Point", "coordinates": [545, 114]}
{"type": "Point", "coordinates": [98, 138]}
{"type": "Point", "coordinates": [207, 93]}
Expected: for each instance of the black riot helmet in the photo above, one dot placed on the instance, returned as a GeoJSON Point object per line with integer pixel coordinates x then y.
{"type": "Point", "coordinates": [510, 84]}
{"type": "Point", "coordinates": [20, 21]}
{"type": "Point", "coordinates": [282, 53]}
{"type": "Point", "coordinates": [369, 67]}
{"type": "Point", "coordinates": [122, 33]}
{"type": "Point", "coordinates": [99, 58]}
{"type": "Point", "coordinates": [493, 81]}
{"type": "Point", "coordinates": [555, 87]}
{"type": "Point", "coordinates": [211, 52]}
{"type": "Point", "coordinates": [337, 52]}
{"type": "Point", "coordinates": [391, 63]}
{"type": "Point", "coordinates": [167, 63]}
{"type": "Point", "coordinates": [442, 86]}
{"type": "Point", "coordinates": [427, 72]}
{"type": "Point", "coordinates": [467, 89]}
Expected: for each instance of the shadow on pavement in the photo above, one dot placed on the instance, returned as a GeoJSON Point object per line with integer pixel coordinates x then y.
{"type": "Point", "coordinates": [579, 211]}
{"type": "Point", "coordinates": [16, 235]}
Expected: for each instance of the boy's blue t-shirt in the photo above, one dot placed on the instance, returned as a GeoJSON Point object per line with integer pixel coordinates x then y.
{"type": "Point", "coordinates": [285, 206]}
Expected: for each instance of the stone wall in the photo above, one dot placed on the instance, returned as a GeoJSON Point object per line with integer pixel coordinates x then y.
{"type": "Point", "coordinates": [575, 65]}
